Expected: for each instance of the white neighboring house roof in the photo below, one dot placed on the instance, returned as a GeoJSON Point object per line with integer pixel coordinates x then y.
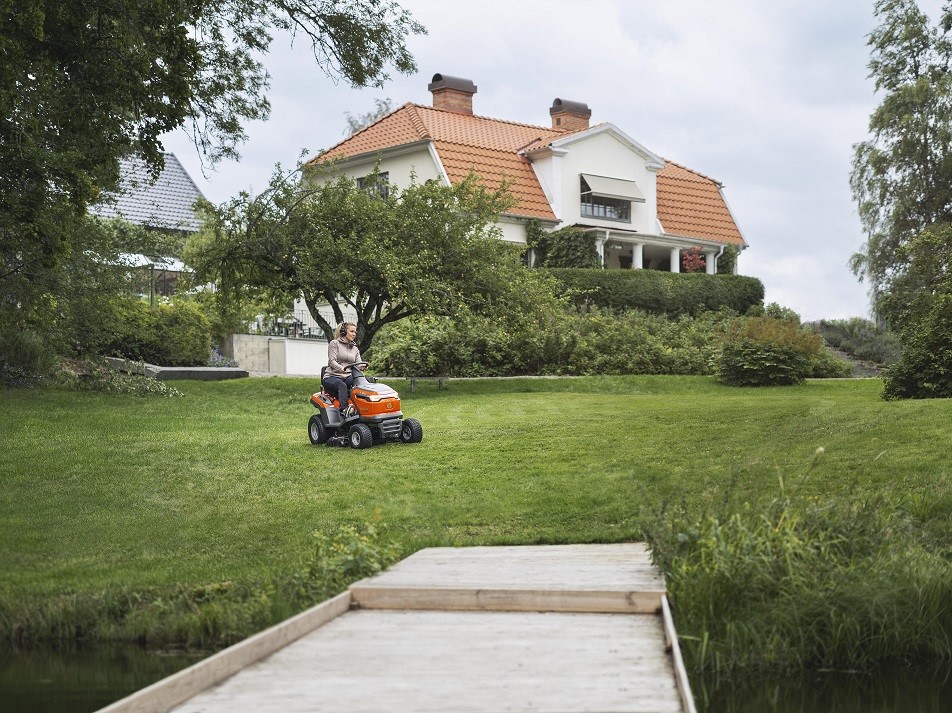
{"type": "Point", "coordinates": [169, 264]}
{"type": "Point", "coordinates": [167, 203]}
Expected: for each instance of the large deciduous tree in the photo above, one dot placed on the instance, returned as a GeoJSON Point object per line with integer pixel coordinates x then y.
{"type": "Point", "coordinates": [902, 181]}
{"type": "Point", "coordinates": [84, 83]}
{"type": "Point", "coordinates": [902, 175]}
{"type": "Point", "coordinates": [426, 249]}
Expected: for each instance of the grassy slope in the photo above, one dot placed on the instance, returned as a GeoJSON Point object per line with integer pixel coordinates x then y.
{"type": "Point", "coordinates": [223, 483]}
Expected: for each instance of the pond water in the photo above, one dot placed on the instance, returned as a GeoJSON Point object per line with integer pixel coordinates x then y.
{"type": "Point", "coordinates": [81, 680]}
{"type": "Point", "coordinates": [886, 691]}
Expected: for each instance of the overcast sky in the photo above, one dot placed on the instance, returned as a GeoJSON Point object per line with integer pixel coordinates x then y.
{"type": "Point", "coordinates": [766, 97]}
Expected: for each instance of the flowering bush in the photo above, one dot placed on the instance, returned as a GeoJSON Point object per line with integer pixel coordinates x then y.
{"type": "Point", "coordinates": [693, 260]}
{"type": "Point", "coordinates": [217, 359]}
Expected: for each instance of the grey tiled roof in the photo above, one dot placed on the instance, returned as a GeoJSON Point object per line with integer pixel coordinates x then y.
{"type": "Point", "coordinates": [166, 203]}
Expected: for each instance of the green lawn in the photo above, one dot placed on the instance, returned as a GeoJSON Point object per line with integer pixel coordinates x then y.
{"type": "Point", "coordinates": [223, 484]}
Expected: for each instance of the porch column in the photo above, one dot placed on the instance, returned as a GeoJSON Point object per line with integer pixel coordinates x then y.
{"type": "Point", "coordinates": [600, 247]}
{"type": "Point", "coordinates": [710, 259]}
{"type": "Point", "coordinates": [638, 256]}
{"type": "Point", "coordinates": [675, 259]}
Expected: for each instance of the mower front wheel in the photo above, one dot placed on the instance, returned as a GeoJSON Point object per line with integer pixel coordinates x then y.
{"type": "Point", "coordinates": [360, 436]}
{"type": "Point", "coordinates": [411, 431]}
{"type": "Point", "coordinates": [316, 431]}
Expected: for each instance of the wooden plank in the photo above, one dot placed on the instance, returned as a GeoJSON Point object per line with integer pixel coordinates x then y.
{"type": "Point", "coordinates": [369, 661]}
{"type": "Point", "coordinates": [584, 578]}
{"type": "Point", "coordinates": [680, 673]}
{"type": "Point", "coordinates": [169, 692]}
{"type": "Point", "coordinates": [536, 600]}
{"type": "Point", "coordinates": [587, 568]}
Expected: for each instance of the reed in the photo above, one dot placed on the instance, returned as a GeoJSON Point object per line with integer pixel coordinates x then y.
{"type": "Point", "coordinates": [209, 616]}
{"type": "Point", "coordinates": [846, 584]}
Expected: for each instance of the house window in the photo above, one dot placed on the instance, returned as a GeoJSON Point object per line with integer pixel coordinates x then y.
{"type": "Point", "coordinates": [376, 184]}
{"type": "Point", "coordinates": [596, 206]}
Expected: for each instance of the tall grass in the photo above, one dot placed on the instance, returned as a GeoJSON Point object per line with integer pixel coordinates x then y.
{"type": "Point", "coordinates": [805, 583]}
{"type": "Point", "coordinates": [206, 617]}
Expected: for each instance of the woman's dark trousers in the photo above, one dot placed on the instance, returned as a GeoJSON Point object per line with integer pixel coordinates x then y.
{"type": "Point", "coordinates": [340, 386]}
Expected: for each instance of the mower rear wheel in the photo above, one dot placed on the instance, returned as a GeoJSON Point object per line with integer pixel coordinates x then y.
{"type": "Point", "coordinates": [411, 431]}
{"type": "Point", "coordinates": [360, 436]}
{"type": "Point", "coordinates": [316, 431]}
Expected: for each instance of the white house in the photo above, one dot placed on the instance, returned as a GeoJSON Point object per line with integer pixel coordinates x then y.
{"type": "Point", "coordinates": [642, 209]}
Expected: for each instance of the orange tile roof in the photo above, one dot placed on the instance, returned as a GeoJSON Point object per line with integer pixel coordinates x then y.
{"type": "Point", "coordinates": [465, 144]}
{"type": "Point", "coordinates": [689, 203]}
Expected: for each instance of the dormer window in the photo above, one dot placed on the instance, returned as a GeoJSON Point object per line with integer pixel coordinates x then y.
{"type": "Point", "coordinates": [608, 198]}
{"type": "Point", "coordinates": [376, 184]}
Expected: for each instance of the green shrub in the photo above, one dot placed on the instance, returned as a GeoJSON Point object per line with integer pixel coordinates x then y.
{"type": "Point", "coordinates": [24, 357]}
{"type": "Point", "coordinates": [671, 294]}
{"type": "Point", "coordinates": [925, 369]}
{"type": "Point", "coordinates": [764, 351]}
{"type": "Point", "coordinates": [182, 335]}
{"type": "Point", "coordinates": [593, 341]}
{"type": "Point", "coordinates": [826, 365]}
{"type": "Point", "coordinates": [131, 330]}
{"type": "Point", "coordinates": [775, 310]}
{"type": "Point", "coordinates": [860, 338]}
{"type": "Point", "coordinates": [639, 343]}
{"type": "Point", "coordinates": [475, 345]}
{"type": "Point", "coordinates": [176, 334]}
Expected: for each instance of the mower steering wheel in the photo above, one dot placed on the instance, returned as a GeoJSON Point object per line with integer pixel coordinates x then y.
{"type": "Point", "coordinates": [360, 365]}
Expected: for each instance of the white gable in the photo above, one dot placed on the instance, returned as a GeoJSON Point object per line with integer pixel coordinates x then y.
{"type": "Point", "coordinates": [606, 152]}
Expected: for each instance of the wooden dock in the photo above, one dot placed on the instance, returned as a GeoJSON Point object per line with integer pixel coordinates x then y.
{"type": "Point", "coordinates": [553, 628]}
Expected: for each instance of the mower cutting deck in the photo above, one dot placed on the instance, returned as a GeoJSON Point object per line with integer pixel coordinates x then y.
{"type": "Point", "coordinates": [374, 416]}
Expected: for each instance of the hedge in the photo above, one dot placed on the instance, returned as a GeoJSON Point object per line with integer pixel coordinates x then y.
{"type": "Point", "coordinates": [667, 293]}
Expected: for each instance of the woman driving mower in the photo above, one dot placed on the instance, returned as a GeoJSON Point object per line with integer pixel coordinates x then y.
{"type": "Point", "coordinates": [342, 353]}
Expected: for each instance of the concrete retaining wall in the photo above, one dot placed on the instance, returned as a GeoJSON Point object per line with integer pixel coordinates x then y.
{"type": "Point", "coordinates": [278, 355]}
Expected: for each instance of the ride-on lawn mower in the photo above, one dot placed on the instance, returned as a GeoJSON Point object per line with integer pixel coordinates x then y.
{"type": "Point", "coordinates": [374, 417]}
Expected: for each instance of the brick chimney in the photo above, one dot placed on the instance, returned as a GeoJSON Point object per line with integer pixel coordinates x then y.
{"type": "Point", "coordinates": [569, 116]}
{"type": "Point", "coordinates": [452, 93]}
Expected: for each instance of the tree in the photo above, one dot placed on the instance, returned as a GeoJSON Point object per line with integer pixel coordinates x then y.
{"type": "Point", "coordinates": [382, 107]}
{"type": "Point", "coordinates": [924, 275]}
{"type": "Point", "coordinates": [902, 176]}
{"type": "Point", "coordinates": [426, 249]}
{"type": "Point", "coordinates": [84, 83]}
{"type": "Point", "coordinates": [919, 303]}
{"type": "Point", "coordinates": [902, 181]}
